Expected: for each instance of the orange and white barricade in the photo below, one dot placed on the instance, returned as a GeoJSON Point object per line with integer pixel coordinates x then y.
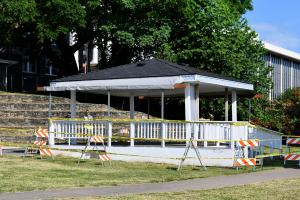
{"type": "Point", "coordinates": [41, 137]}
{"type": "Point", "coordinates": [245, 162]}
{"type": "Point", "coordinates": [248, 143]}
{"type": "Point", "coordinates": [102, 154]}
{"type": "Point", "coordinates": [290, 156]}
{"type": "Point", "coordinates": [293, 141]}
{"type": "Point", "coordinates": [241, 153]}
{"type": "Point", "coordinates": [104, 157]}
{"type": "Point", "coordinates": [97, 139]}
{"type": "Point", "coordinates": [42, 133]}
{"type": "Point", "coordinates": [46, 152]}
{"type": "Point", "coordinates": [39, 143]}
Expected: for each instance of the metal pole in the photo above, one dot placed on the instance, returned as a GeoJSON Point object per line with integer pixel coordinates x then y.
{"type": "Point", "coordinates": [162, 105]}
{"type": "Point", "coordinates": [108, 103]}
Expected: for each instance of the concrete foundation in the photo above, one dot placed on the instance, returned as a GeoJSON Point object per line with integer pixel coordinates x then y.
{"type": "Point", "coordinates": [211, 156]}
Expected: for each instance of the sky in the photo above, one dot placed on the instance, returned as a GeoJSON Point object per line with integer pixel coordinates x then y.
{"type": "Point", "coordinates": [277, 22]}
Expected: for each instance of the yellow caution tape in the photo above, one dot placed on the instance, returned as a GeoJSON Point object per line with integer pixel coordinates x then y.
{"type": "Point", "coordinates": [16, 129]}
{"type": "Point", "coordinates": [291, 136]}
{"type": "Point", "coordinates": [275, 154]}
{"type": "Point", "coordinates": [146, 120]}
{"type": "Point", "coordinates": [155, 139]}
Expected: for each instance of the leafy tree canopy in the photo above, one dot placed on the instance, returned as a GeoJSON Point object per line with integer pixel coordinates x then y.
{"type": "Point", "coordinates": [208, 34]}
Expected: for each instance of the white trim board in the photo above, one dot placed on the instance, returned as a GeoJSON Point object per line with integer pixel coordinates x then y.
{"type": "Point", "coordinates": [150, 83]}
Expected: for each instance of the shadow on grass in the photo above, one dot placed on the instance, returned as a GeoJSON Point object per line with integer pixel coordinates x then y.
{"type": "Point", "coordinates": [278, 161]}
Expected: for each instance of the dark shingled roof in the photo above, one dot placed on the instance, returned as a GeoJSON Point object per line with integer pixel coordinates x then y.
{"type": "Point", "coordinates": [148, 68]}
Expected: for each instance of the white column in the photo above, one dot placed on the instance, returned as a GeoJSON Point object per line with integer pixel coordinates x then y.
{"type": "Point", "coordinates": [234, 105]}
{"type": "Point", "coordinates": [108, 104]}
{"type": "Point", "coordinates": [73, 104]}
{"type": "Point", "coordinates": [109, 130]}
{"type": "Point", "coordinates": [190, 108]}
{"type": "Point", "coordinates": [132, 124]}
{"type": "Point", "coordinates": [131, 101]}
{"type": "Point", "coordinates": [162, 114]}
{"type": "Point", "coordinates": [197, 113]}
{"type": "Point", "coordinates": [51, 140]}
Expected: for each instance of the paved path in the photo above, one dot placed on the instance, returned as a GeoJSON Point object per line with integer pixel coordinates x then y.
{"type": "Point", "coordinates": [174, 186]}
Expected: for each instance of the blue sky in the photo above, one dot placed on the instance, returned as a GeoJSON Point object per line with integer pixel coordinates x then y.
{"type": "Point", "coordinates": [277, 22]}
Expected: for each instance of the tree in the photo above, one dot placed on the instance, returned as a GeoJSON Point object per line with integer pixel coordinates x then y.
{"type": "Point", "coordinates": [42, 26]}
{"type": "Point", "coordinates": [124, 30]}
{"type": "Point", "coordinates": [282, 114]}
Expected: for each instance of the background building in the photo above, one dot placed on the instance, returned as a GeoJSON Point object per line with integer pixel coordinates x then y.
{"type": "Point", "coordinates": [286, 69]}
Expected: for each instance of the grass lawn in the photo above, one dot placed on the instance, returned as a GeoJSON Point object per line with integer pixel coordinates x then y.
{"type": "Point", "coordinates": [275, 190]}
{"type": "Point", "coordinates": [25, 174]}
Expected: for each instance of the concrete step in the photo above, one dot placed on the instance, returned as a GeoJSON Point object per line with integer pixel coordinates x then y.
{"type": "Point", "coordinates": [45, 106]}
{"type": "Point", "coordinates": [17, 98]}
{"type": "Point", "coordinates": [20, 122]}
{"type": "Point", "coordinates": [59, 113]}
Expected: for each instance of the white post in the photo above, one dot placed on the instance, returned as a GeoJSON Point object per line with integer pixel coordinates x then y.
{"type": "Point", "coordinates": [232, 136]}
{"type": "Point", "coordinates": [234, 105]}
{"type": "Point", "coordinates": [163, 134]}
{"type": "Point", "coordinates": [197, 114]}
{"type": "Point", "coordinates": [162, 115]}
{"type": "Point", "coordinates": [189, 100]}
{"type": "Point", "coordinates": [132, 125]}
{"type": "Point", "coordinates": [109, 133]}
{"type": "Point", "coordinates": [108, 104]}
{"type": "Point", "coordinates": [73, 104]}
{"type": "Point", "coordinates": [190, 108]}
{"type": "Point", "coordinates": [51, 140]}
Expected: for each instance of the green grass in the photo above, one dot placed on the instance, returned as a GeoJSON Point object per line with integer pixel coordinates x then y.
{"type": "Point", "coordinates": [275, 190]}
{"type": "Point", "coordinates": [17, 174]}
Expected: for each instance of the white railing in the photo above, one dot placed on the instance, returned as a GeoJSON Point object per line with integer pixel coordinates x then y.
{"type": "Point", "coordinates": [148, 130]}
{"type": "Point", "coordinates": [208, 133]}
{"type": "Point", "coordinates": [176, 130]}
{"type": "Point", "coordinates": [219, 132]}
{"type": "Point", "coordinates": [68, 129]}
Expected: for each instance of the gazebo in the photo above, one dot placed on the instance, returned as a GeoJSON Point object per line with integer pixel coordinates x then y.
{"type": "Point", "coordinates": [156, 78]}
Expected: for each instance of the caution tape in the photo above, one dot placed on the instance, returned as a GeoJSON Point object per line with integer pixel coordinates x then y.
{"type": "Point", "coordinates": [276, 154]}
{"type": "Point", "coordinates": [17, 129]}
{"type": "Point", "coordinates": [291, 136]}
{"type": "Point", "coordinates": [153, 139]}
{"type": "Point", "coordinates": [146, 120]}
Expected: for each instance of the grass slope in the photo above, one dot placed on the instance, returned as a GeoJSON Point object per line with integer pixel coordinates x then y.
{"type": "Point", "coordinates": [275, 190]}
{"type": "Point", "coordinates": [17, 174]}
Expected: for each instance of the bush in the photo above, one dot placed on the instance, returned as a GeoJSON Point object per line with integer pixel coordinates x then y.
{"type": "Point", "coordinates": [282, 114]}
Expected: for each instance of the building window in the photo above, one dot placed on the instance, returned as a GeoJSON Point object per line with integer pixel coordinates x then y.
{"type": "Point", "coordinates": [28, 65]}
